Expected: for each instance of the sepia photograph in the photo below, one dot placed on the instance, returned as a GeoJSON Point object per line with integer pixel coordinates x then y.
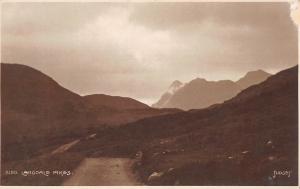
{"type": "Point", "coordinates": [149, 93]}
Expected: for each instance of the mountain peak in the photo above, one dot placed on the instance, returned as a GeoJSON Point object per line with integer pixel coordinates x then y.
{"type": "Point", "coordinates": [176, 83]}
{"type": "Point", "coordinates": [257, 72]}
{"type": "Point", "coordinates": [164, 99]}
{"type": "Point", "coordinates": [174, 87]}
{"type": "Point", "coordinates": [252, 78]}
{"type": "Point", "coordinates": [198, 80]}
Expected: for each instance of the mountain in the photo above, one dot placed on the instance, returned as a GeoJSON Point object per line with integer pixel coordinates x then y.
{"type": "Point", "coordinates": [239, 142]}
{"type": "Point", "coordinates": [115, 102]}
{"type": "Point", "coordinates": [252, 78]}
{"type": "Point", "coordinates": [115, 110]}
{"type": "Point", "coordinates": [174, 87]}
{"type": "Point", "coordinates": [38, 112]}
{"type": "Point", "coordinates": [200, 93]}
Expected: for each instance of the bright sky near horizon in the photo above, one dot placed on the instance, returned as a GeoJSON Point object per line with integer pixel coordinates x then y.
{"type": "Point", "coordinates": [139, 49]}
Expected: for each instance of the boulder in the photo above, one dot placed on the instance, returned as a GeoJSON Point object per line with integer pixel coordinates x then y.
{"type": "Point", "coordinates": [170, 169]}
{"type": "Point", "coordinates": [271, 158]}
{"type": "Point", "coordinates": [139, 155]}
{"type": "Point", "coordinates": [155, 176]}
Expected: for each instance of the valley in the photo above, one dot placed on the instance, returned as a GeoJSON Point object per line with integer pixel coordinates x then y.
{"type": "Point", "coordinates": [240, 141]}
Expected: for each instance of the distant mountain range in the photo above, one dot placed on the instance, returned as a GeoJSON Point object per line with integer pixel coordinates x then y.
{"type": "Point", "coordinates": [200, 93]}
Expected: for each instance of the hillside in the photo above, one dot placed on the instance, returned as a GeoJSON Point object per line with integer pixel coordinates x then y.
{"type": "Point", "coordinates": [115, 110]}
{"type": "Point", "coordinates": [239, 142]}
{"type": "Point", "coordinates": [37, 112]}
{"type": "Point", "coordinates": [35, 108]}
{"type": "Point", "coordinates": [113, 102]}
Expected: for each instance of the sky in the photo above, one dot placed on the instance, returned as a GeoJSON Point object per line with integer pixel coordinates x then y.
{"type": "Point", "coordinates": [138, 49]}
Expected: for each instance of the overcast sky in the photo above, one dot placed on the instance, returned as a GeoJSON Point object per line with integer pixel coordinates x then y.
{"type": "Point", "coordinates": [139, 49]}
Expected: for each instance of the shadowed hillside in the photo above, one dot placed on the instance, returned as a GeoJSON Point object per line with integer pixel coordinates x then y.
{"type": "Point", "coordinates": [34, 109]}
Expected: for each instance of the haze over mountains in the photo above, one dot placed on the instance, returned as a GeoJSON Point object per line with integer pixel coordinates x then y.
{"type": "Point", "coordinates": [200, 93]}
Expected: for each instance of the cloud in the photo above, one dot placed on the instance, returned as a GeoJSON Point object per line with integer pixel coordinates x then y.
{"type": "Point", "coordinates": [234, 36]}
{"type": "Point", "coordinates": [50, 17]}
{"type": "Point", "coordinates": [108, 54]}
{"type": "Point", "coordinates": [295, 12]}
{"type": "Point", "coordinates": [175, 15]}
{"type": "Point", "coordinates": [114, 28]}
{"type": "Point", "coordinates": [138, 49]}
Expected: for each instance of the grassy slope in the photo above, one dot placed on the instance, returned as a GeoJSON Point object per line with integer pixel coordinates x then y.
{"type": "Point", "coordinates": [206, 146]}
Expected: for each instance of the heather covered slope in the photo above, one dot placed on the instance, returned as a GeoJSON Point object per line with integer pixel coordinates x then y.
{"type": "Point", "coordinates": [239, 142]}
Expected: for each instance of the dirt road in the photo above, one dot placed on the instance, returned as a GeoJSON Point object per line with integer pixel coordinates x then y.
{"type": "Point", "coordinates": [103, 172]}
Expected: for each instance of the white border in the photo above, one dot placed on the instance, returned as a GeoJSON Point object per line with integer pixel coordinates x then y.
{"type": "Point", "coordinates": [158, 187]}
